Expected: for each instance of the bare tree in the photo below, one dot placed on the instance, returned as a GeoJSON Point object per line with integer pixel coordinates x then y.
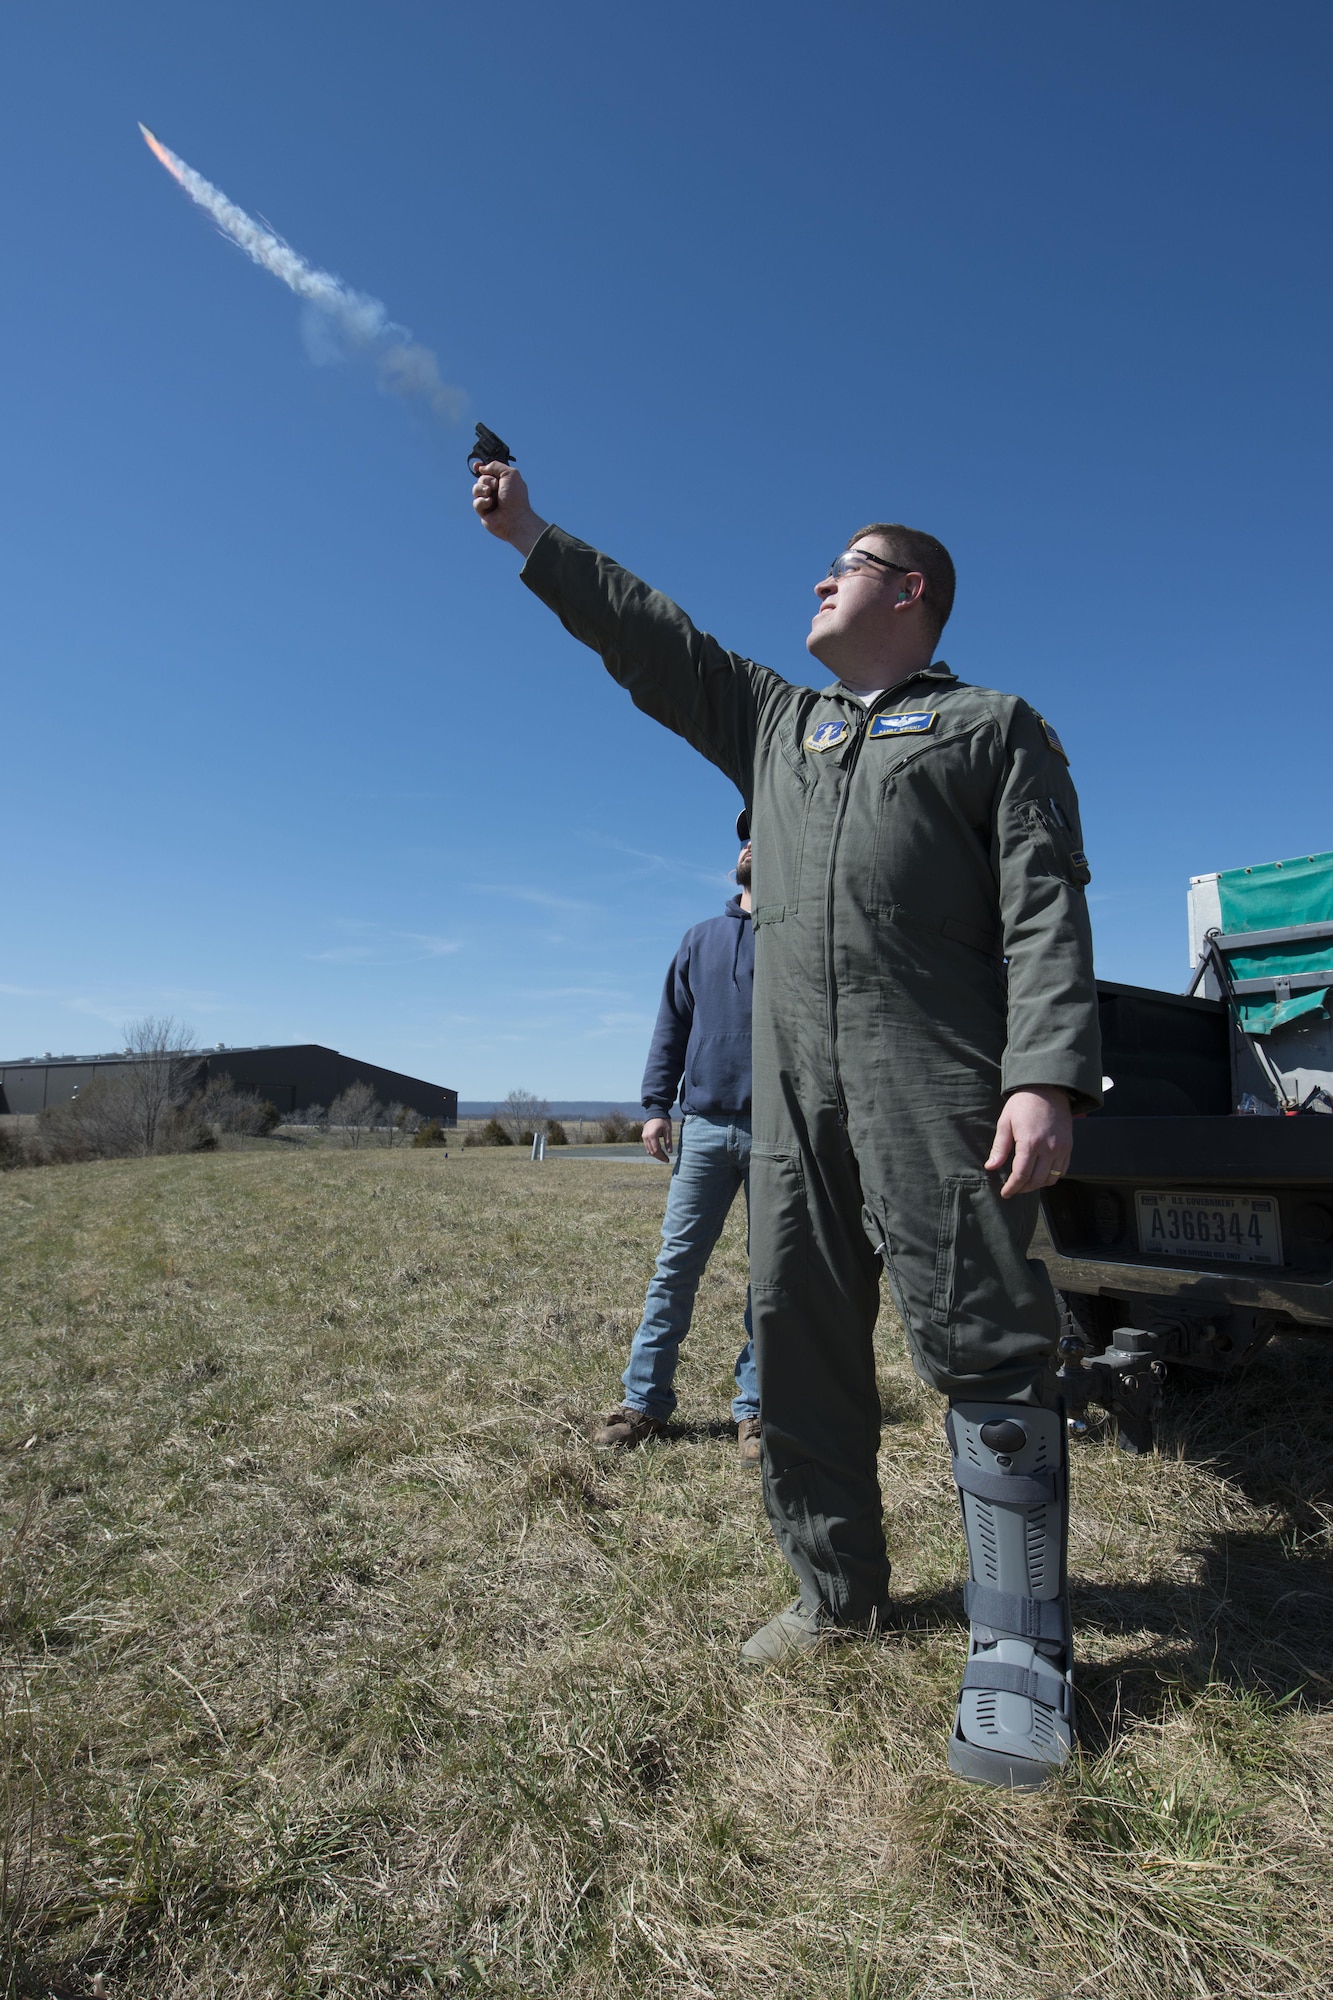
{"type": "Point", "coordinates": [160, 1076]}
{"type": "Point", "coordinates": [147, 1104]}
{"type": "Point", "coordinates": [522, 1115]}
{"type": "Point", "coordinates": [355, 1112]}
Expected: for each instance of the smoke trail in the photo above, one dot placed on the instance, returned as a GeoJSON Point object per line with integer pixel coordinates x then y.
{"type": "Point", "coordinates": [350, 321]}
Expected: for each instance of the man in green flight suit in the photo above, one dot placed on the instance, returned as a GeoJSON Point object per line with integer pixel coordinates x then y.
{"type": "Point", "coordinates": [925, 1025]}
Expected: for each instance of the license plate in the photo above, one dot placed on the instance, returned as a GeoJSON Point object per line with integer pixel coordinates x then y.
{"type": "Point", "coordinates": [1237, 1228]}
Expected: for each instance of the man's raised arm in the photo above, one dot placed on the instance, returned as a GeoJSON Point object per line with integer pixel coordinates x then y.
{"type": "Point", "coordinates": [672, 671]}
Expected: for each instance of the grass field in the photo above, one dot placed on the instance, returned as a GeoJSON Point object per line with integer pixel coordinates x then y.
{"type": "Point", "coordinates": [335, 1662]}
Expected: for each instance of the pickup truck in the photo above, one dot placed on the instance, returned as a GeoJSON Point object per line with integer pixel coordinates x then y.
{"type": "Point", "coordinates": [1196, 1218]}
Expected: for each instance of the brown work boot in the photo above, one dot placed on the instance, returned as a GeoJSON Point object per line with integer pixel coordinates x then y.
{"type": "Point", "coordinates": [748, 1432]}
{"type": "Point", "coordinates": [622, 1427]}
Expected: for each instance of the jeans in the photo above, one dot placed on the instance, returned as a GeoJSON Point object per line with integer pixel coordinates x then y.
{"type": "Point", "coordinates": [712, 1163]}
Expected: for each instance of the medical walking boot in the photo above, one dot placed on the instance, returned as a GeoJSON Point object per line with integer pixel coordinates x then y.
{"type": "Point", "coordinates": [1015, 1720]}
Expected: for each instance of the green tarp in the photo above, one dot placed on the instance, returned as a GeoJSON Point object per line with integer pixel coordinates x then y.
{"type": "Point", "coordinates": [1271, 898]}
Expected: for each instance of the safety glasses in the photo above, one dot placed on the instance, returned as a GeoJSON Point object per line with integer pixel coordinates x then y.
{"type": "Point", "coordinates": [852, 561]}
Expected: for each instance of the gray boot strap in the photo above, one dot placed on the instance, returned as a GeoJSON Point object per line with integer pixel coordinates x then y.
{"type": "Point", "coordinates": [1010, 1489]}
{"type": "Point", "coordinates": [1017, 1617]}
{"type": "Point", "coordinates": [1000, 1677]}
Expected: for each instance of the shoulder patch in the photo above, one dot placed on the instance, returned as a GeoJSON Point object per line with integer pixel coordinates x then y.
{"type": "Point", "coordinates": [1053, 739]}
{"type": "Point", "coordinates": [828, 736]}
{"type": "Point", "coordinates": [916, 723]}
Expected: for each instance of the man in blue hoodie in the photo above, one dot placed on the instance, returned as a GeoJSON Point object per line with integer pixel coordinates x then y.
{"type": "Point", "coordinates": [701, 1048]}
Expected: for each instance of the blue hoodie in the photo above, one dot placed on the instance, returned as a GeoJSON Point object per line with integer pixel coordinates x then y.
{"type": "Point", "coordinates": [703, 1025]}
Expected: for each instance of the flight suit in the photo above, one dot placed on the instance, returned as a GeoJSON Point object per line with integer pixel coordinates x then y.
{"type": "Point", "coordinates": [921, 947]}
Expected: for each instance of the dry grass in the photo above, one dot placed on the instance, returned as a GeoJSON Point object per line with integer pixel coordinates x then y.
{"type": "Point", "coordinates": [334, 1661]}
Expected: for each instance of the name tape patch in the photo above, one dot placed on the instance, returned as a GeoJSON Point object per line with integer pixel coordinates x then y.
{"type": "Point", "coordinates": [828, 736]}
{"type": "Point", "coordinates": [916, 723]}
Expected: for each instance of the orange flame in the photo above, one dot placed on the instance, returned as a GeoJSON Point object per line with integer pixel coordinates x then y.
{"type": "Point", "coordinates": [156, 147]}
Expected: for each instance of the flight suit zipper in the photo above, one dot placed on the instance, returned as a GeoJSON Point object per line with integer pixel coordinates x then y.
{"type": "Point", "coordinates": [830, 987]}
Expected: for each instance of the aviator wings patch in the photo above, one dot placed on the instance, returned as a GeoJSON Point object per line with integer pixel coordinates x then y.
{"type": "Point", "coordinates": [916, 722]}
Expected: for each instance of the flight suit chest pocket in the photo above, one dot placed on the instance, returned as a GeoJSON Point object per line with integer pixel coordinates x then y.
{"type": "Point", "coordinates": [912, 787]}
{"type": "Point", "coordinates": [939, 759]}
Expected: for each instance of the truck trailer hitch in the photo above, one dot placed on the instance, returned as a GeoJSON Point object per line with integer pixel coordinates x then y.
{"type": "Point", "coordinates": [1125, 1379]}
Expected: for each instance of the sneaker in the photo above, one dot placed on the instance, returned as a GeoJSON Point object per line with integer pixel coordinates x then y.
{"type": "Point", "coordinates": [793, 1631]}
{"type": "Point", "coordinates": [748, 1432]}
{"type": "Point", "coordinates": [624, 1426]}
{"type": "Point", "coordinates": [798, 1630]}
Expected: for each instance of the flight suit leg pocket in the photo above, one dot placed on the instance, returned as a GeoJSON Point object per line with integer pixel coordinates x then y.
{"type": "Point", "coordinates": [953, 1191]}
{"type": "Point", "coordinates": [779, 1222]}
{"type": "Point", "coordinates": [991, 1307]}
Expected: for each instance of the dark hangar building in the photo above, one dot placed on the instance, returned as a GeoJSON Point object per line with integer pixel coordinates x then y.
{"type": "Point", "coordinates": [290, 1075]}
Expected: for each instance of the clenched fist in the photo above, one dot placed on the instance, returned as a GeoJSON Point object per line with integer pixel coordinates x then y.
{"type": "Point", "coordinates": [500, 497]}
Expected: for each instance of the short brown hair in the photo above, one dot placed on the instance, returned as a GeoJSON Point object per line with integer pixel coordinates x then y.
{"type": "Point", "coordinates": [916, 550]}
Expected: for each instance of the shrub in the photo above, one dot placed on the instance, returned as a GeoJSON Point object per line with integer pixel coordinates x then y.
{"type": "Point", "coordinates": [14, 1149]}
{"type": "Point", "coordinates": [121, 1116]}
{"type": "Point", "coordinates": [493, 1133]}
{"type": "Point", "coordinates": [617, 1130]}
{"type": "Point", "coordinates": [243, 1112]}
{"type": "Point", "coordinates": [556, 1134]}
{"type": "Point", "coordinates": [190, 1135]}
{"type": "Point", "coordinates": [432, 1133]}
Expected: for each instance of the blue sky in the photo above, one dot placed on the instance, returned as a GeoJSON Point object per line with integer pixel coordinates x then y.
{"type": "Point", "coordinates": [291, 754]}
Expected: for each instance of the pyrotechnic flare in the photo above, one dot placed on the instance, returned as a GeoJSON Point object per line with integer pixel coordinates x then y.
{"type": "Point", "coordinates": [403, 365]}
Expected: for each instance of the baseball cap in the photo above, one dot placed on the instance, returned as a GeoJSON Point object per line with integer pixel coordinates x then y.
{"type": "Point", "coordinates": [743, 823]}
